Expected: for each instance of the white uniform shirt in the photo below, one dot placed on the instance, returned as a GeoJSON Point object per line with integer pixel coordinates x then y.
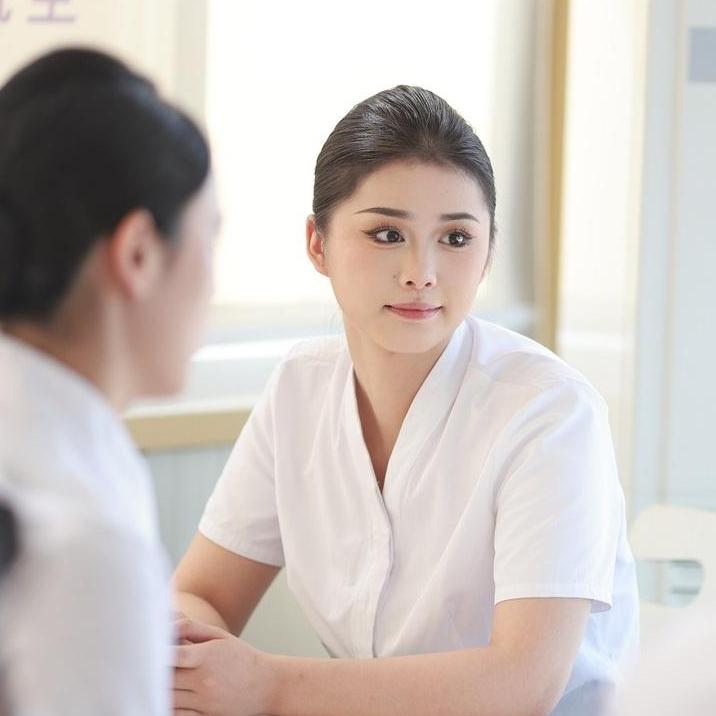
{"type": "Point", "coordinates": [502, 484]}
{"type": "Point", "coordinates": [85, 611]}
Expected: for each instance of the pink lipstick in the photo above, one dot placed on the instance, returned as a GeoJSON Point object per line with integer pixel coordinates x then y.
{"type": "Point", "coordinates": [414, 311]}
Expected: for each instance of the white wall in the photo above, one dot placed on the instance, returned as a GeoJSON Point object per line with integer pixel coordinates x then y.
{"type": "Point", "coordinates": [676, 382]}
{"type": "Point", "coordinates": [638, 299]}
{"type": "Point", "coordinates": [162, 38]}
{"type": "Point", "coordinates": [637, 296]}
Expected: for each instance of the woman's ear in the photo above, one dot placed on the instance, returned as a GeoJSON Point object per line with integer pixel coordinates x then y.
{"type": "Point", "coordinates": [135, 255]}
{"type": "Point", "coordinates": [315, 246]}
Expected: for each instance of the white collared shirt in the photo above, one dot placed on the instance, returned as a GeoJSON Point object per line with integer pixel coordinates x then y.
{"type": "Point", "coordinates": [502, 484]}
{"type": "Point", "coordinates": [85, 610]}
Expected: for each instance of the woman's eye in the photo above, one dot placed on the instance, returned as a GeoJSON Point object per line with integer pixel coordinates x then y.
{"type": "Point", "coordinates": [456, 239]}
{"type": "Point", "coordinates": [387, 236]}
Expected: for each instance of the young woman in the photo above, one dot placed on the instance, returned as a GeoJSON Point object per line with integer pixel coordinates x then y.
{"type": "Point", "coordinates": [441, 491]}
{"type": "Point", "coordinates": [107, 217]}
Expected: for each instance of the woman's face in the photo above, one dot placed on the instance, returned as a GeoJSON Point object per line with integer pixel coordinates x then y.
{"type": "Point", "coordinates": [405, 254]}
{"type": "Point", "coordinates": [172, 321]}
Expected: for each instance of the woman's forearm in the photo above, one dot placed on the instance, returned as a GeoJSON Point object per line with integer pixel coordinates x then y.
{"type": "Point", "coordinates": [473, 682]}
{"type": "Point", "coordinates": [522, 672]}
{"type": "Point", "coordinates": [199, 609]}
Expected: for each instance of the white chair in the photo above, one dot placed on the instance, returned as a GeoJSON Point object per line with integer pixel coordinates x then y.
{"type": "Point", "coordinates": [669, 533]}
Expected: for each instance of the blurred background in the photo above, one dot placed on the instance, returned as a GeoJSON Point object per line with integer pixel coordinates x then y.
{"type": "Point", "coordinates": [599, 118]}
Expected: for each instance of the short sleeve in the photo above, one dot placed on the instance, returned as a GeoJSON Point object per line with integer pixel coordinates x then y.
{"type": "Point", "coordinates": [241, 514]}
{"type": "Point", "coordinates": [559, 507]}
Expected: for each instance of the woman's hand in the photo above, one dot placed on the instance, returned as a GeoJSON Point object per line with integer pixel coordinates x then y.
{"type": "Point", "coordinates": [218, 674]}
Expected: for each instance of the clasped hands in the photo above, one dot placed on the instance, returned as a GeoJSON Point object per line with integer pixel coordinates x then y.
{"type": "Point", "coordinates": [218, 674]}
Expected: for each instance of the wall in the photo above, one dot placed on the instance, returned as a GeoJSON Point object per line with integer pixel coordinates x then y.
{"type": "Point", "coordinates": [162, 38]}
{"type": "Point", "coordinates": [676, 386]}
{"type": "Point", "coordinates": [675, 383]}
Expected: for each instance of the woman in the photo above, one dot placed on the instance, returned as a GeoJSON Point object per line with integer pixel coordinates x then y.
{"type": "Point", "coordinates": [107, 217]}
{"type": "Point", "coordinates": [441, 491]}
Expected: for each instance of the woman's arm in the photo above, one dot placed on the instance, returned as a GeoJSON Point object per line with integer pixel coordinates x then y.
{"type": "Point", "coordinates": [218, 587]}
{"type": "Point", "coordinates": [522, 672]}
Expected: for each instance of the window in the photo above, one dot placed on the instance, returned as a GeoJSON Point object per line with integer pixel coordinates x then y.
{"type": "Point", "coordinates": [278, 79]}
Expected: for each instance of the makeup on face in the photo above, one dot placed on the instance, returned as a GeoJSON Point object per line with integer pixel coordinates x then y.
{"type": "Point", "coordinates": [406, 253]}
{"type": "Point", "coordinates": [414, 311]}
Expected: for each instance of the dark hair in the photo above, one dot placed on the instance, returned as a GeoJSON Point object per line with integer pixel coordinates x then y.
{"type": "Point", "coordinates": [400, 123]}
{"type": "Point", "coordinates": [83, 141]}
{"type": "Point", "coordinates": [8, 539]}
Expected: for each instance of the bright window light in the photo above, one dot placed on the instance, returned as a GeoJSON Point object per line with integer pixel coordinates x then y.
{"type": "Point", "coordinates": [279, 77]}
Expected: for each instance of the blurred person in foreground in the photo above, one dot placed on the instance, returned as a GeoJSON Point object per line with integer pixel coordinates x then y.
{"type": "Point", "coordinates": [107, 222]}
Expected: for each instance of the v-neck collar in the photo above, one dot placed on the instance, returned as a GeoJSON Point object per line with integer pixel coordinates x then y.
{"type": "Point", "coordinates": [431, 403]}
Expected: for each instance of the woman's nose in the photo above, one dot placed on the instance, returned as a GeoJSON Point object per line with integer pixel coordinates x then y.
{"type": "Point", "coordinates": [418, 270]}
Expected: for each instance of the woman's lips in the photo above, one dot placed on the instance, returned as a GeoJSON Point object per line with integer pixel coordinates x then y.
{"type": "Point", "coordinates": [414, 311]}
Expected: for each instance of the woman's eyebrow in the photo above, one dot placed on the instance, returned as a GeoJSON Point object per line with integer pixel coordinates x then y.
{"type": "Point", "coordinates": [458, 215]}
{"type": "Point", "coordinates": [385, 211]}
{"type": "Point", "coordinates": [401, 214]}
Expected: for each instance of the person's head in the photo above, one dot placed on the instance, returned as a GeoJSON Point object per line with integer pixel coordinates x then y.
{"type": "Point", "coordinates": [107, 215]}
{"type": "Point", "coordinates": [403, 215]}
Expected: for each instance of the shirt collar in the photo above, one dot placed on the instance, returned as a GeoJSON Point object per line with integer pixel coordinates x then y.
{"type": "Point", "coordinates": [49, 414]}
{"type": "Point", "coordinates": [427, 412]}
{"type": "Point", "coordinates": [36, 380]}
